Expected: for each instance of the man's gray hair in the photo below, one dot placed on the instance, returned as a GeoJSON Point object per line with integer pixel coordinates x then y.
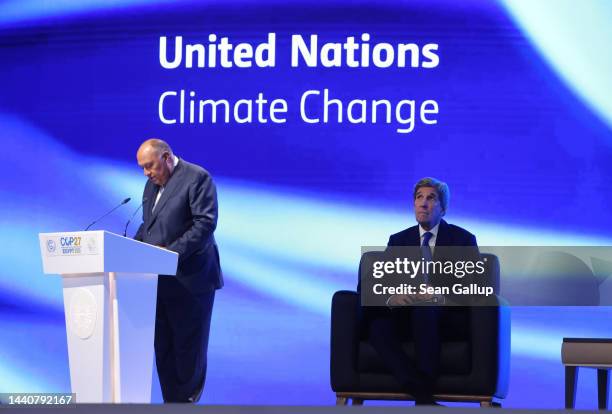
{"type": "Point", "coordinates": [440, 187]}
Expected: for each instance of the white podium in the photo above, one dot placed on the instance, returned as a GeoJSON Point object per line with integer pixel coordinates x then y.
{"type": "Point", "coordinates": [110, 289]}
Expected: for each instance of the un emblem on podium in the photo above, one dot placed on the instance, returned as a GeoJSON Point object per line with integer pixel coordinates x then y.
{"type": "Point", "coordinates": [51, 246]}
{"type": "Point", "coordinates": [82, 313]}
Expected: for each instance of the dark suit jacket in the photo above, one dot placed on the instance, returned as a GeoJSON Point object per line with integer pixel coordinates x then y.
{"type": "Point", "coordinates": [453, 238]}
{"type": "Point", "coordinates": [448, 235]}
{"type": "Point", "coordinates": [184, 221]}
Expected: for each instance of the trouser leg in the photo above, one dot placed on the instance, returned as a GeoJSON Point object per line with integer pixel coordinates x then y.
{"type": "Point", "coordinates": [181, 350]}
{"type": "Point", "coordinates": [424, 322]}
{"type": "Point", "coordinates": [385, 335]}
{"type": "Point", "coordinates": [192, 355]}
{"type": "Point", "coordinates": [164, 354]}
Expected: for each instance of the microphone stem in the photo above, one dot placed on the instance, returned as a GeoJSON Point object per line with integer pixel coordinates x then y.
{"type": "Point", "coordinates": [100, 218]}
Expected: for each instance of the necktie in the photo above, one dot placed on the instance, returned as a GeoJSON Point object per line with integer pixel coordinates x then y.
{"type": "Point", "coordinates": [426, 252]}
{"type": "Point", "coordinates": [425, 248]}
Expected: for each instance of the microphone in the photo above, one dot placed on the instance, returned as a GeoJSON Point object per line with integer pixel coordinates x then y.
{"type": "Point", "coordinates": [127, 200]}
{"type": "Point", "coordinates": [144, 200]}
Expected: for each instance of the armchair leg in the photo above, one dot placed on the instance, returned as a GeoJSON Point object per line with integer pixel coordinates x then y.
{"type": "Point", "coordinates": [486, 404]}
{"type": "Point", "coordinates": [341, 401]}
{"type": "Point", "coordinates": [603, 380]}
{"type": "Point", "coordinates": [357, 401]}
{"type": "Point", "coordinates": [571, 376]}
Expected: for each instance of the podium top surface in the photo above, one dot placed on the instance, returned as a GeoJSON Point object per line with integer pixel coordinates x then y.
{"type": "Point", "coordinates": [101, 251]}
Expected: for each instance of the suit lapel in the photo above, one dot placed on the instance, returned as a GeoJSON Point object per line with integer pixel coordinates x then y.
{"type": "Point", "coordinates": [149, 198]}
{"type": "Point", "coordinates": [171, 186]}
{"type": "Point", "coordinates": [414, 238]}
{"type": "Point", "coordinates": [442, 238]}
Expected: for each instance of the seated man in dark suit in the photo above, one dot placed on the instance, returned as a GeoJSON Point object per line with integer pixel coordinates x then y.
{"type": "Point", "coordinates": [387, 326]}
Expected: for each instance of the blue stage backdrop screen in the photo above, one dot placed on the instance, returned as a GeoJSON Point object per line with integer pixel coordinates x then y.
{"type": "Point", "coordinates": [315, 119]}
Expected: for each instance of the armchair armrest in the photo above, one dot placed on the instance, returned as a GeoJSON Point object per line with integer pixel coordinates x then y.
{"type": "Point", "coordinates": [344, 341]}
{"type": "Point", "coordinates": [491, 348]}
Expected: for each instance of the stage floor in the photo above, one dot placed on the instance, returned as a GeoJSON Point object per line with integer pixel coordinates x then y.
{"type": "Point", "coordinates": [257, 409]}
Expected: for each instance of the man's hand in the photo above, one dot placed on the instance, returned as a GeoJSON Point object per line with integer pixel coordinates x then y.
{"type": "Point", "coordinates": [407, 300]}
{"type": "Point", "coordinates": [400, 300]}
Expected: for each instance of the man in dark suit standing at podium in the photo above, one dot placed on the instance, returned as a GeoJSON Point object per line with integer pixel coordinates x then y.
{"type": "Point", "coordinates": [387, 325]}
{"type": "Point", "coordinates": [180, 214]}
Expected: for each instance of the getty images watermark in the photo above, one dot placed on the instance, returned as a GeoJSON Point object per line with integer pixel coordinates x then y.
{"type": "Point", "coordinates": [487, 276]}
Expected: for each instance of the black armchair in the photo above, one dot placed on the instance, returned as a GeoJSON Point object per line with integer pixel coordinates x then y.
{"type": "Point", "coordinates": [474, 354]}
